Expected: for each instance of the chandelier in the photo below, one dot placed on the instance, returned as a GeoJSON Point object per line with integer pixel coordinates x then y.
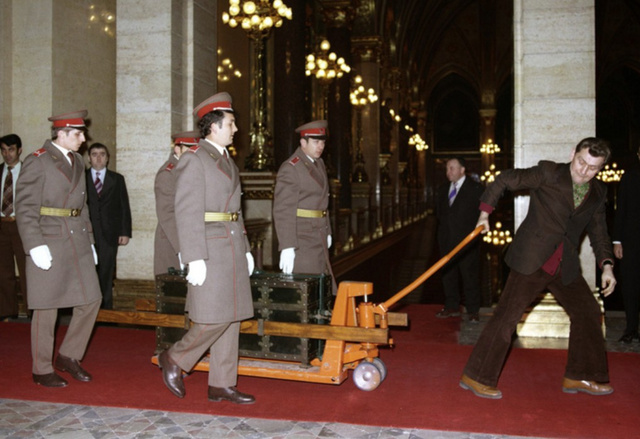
{"type": "Point", "coordinates": [610, 174]}
{"type": "Point", "coordinates": [226, 70]}
{"type": "Point", "coordinates": [489, 147]}
{"type": "Point", "coordinates": [360, 96]}
{"type": "Point", "coordinates": [497, 236]}
{"type": "Point", "coordinates": [418, 142]}
{"type": "Point", "coordinates": [256, 18]}
{"type": "Point", "coordinates": [325, 65]}
{"type": "Point", "coordinates": [490, 175]}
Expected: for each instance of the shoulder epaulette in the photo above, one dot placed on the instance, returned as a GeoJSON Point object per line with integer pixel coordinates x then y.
{"type": "Point", "coordinates": [169, 167]}
{"type": "Point", "coordinates": [39, 152]}
{"type": "Point", "coordinates": [194, 148]}
{"type": "Point", "coordinates": [294, 160]}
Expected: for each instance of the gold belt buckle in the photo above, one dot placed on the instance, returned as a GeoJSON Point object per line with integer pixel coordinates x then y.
{"type": "Point", "coordinates": [234, 216]}
{"type": "Point", "coordinates": [74, 212]}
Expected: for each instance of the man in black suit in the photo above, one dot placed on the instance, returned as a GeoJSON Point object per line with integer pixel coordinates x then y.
{"type": "Point", "coordinates": [457, 209]}
{"type": "Point", "coordinates": [626, 234]}
{"type": "Point", "coordinates": [110, 216]}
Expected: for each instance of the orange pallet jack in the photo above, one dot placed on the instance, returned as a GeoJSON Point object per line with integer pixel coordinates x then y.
{"type": "Point", "coordinates": [356, 330]}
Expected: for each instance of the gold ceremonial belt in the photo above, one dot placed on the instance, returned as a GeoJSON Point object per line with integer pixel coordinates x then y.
{"type": "Point", "coordinates": [54, 211]}
{"type": "Point", "coordinates": [306, 213]}
{"type": "Point", "coordinates": [220, 216]}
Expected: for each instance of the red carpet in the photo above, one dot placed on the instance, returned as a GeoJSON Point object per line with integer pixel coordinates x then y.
{"type": "Point", "coordinates": [421, 389]}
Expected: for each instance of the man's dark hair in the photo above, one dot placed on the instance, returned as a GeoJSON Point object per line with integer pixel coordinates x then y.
{"type": "Point", "coordinates": [461, 161]}
{"type": "Point", "coordinates": [11, 139]}
{"type": "Point", "coordinates": [215, 116]}
{"type": "Point", "coordinates": [597, 147]}
{"type": "Point", "coordinates": [56, 130]}
{"type": "Point", "coordinates": [98, 146]}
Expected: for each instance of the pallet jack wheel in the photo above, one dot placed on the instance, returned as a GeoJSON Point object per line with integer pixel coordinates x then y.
{"type": "Point", "coordinates": [367, 376]}
{"type": "Point", "coordinates": [383, 368]}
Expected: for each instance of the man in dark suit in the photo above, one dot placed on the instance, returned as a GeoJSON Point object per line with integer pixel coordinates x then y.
{"type": "Point", "coordinates": [110, 216]}
{"type": "Point", "coordinates": [11, 249]}
{"type": "Point", "coordinates": [565, 201]}
{"type": "Point", "coordinates": [456, 209]}
{"type": "Point", "coordinates": [626, 235]}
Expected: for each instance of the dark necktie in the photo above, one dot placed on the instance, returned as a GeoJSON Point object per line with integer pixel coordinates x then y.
{"type": "Point", "coordinates": [70, 155]}
{"type": "Point", "coordinates": [225, 154]}
{"type": "Point", "coordinates": [98, 184]}
{"type": "Point", "coordinates": [7, 195]}
{"type": "Point", "coordinates": [452, 194]}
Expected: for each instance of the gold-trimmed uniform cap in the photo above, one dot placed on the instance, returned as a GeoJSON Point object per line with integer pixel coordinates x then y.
{"type": "Point", "coordinates": [219, 101]}
{"type": "Point", "coordinates": [187, 138]}
{"type": "Point", "coordinates": [316, 129]}
{"type": "Point", "coordinates": [74, 119]}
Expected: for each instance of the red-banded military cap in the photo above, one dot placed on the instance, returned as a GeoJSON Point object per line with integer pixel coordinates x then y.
{"type": "Point", "coordinates": [219, 101]}
{"type": "Point", "coordinates": [316, 129]}
{"type": "Point", "coordinates": [74, 119]}
{"type": "Point", "coordinates": [188, 138]}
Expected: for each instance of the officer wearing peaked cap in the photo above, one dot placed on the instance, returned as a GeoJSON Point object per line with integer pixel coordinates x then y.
{"type": "Point", "coordinates": [166, 247]}
{"type": "Point", "coordinates": [216, 248]}
{"type": "Point", "coordinates": [54, 224]}
{"type": "Point", "coordinates": [300, 205]}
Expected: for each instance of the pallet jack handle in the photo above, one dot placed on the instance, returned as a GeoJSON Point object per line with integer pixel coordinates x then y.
{"type": "Point", "coordinates": [384, 307]}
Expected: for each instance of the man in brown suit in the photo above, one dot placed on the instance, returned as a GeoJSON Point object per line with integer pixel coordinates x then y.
{"type": "Point", "coordinates": [565, 201]}
{"type": "Point", "coordinates": [213, 242]}
{"type": "Point", "coordinates": [166, 248]}
{"type": "Point", "coordinates": [54, 224]}
{"type": "Point", "coordinates": [300, 204]}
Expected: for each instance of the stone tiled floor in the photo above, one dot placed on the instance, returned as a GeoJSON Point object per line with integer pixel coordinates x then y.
{"type": "Point", "coordinates": [34, 419]}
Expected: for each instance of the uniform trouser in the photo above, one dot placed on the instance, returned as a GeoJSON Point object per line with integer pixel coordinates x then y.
{"type": "Point", "coordinates": [587, 358]}
{"type": "Point", "coordinates": [107, 254]}
{"type": "Point", "coordinates": [74, 345]}
{"type": "Point", "coordinates": [221, 339]}
{"type": "Point", "coordinates": [464, 266]}
{"type": "Point", "coordinates": [10, 247]}
{"type": "Point", "coordinates": [630, 287]}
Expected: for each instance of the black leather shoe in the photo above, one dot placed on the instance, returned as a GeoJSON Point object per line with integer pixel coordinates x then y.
{"type": "Point", "coordinates": [628, 337]}
{"type": "Point", "coordinates": [229, 394]}
{"type": "Point", "coordinates": [446, 313]}
{"type": "Point", "coordinates": [50, 380]}
{"type": "Point", "coordinates": [171, 374]}
{"type": "Point", "coordinates": [66, 364]}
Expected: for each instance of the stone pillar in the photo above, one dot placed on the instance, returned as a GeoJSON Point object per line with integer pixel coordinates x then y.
{"type": "Point", "coordinates": [554, 89]}
{"type": "Point", "coordinates": [338, 15]}
{"type": "Point", "coordinates": [290, 83]}
{"type": "Point", "coordinates": [160, 68]}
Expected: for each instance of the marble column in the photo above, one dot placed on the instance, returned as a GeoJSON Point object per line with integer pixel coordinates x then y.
{"type": "Point", "coordinates": [554, 89]}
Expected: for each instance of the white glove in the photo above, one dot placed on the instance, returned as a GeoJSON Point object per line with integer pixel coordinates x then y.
{"type": "Point", "coordinates": [197, 272]}
{"type": "Point", "coordinates": [328, 241]}
{"type": "Point", "coordinates": [250, 262]}
{"type": "Point", "coordinates": [95, 255]}
{"type": "Point", "coordinates": [41, 256]}
{"type": "Point", "coordinates": [287, 256]}
{"type": "Point", "coordinates": [180, 259]}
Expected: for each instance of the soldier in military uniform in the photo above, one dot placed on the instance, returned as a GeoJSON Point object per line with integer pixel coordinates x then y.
{"type": "Point", "coordinates": [54, 224]}
{"type": "Point", "coordinates": [166, 249]}
{"type": "Point", "coordinates": [217, 251]}
{"type": "Point", "coordinates": [300, 204]}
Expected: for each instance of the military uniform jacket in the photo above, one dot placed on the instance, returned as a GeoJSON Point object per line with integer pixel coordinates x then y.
{"type": "Point", "coordinates": [47, 180]}
{"type": "Point", "coordinates": [303, 184]}
{"type": "Point", "coordinates": [552, 218]}
{"type": "Point", "coordinates": [208, 182]}
{"type": "Point", "coordinates": [165, 253]}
